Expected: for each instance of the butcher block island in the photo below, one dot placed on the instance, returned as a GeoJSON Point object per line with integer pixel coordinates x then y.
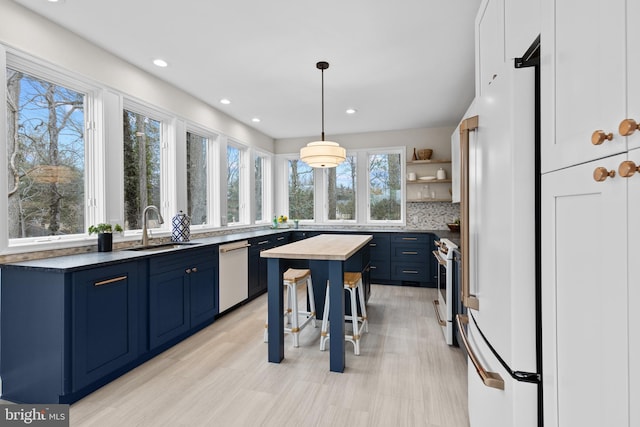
{"type": "Point", "coordinates": [328, 256]}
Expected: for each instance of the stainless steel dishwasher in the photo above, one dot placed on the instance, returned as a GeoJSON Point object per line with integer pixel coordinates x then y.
{"type": "Point", "coordinates": [233, 283]}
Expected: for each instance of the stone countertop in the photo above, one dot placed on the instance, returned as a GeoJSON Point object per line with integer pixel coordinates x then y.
{"type": "Point", "coordinates": [70, 263]}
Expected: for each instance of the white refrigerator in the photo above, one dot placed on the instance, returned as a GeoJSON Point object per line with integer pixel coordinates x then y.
{"type": "Point", "coordinates": [500, 246]}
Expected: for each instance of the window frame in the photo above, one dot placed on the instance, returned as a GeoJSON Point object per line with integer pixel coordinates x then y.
{"type": "Point", "coordinates": [285, 190]}
{"type": "Point", "coordinates": [93, 146]}
{"type": "Point", "coordinates": [243, 184]}
{"type": "Point", "coordinates": [213, 179]}
{"type": "Point", "coordinates": [403, 193]}
{"type": "Point", "coordinates": [167, 169]}
{"type": "Point", "coordinates": [267, 186]}
{"type": "Point", "coordinates": [326, 195]}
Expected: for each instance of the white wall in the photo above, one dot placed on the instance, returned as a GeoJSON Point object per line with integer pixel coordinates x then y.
{"type": "Point", "coordinates": [26, 31]}
{"type": "Point", "coordinates": [438, 139]}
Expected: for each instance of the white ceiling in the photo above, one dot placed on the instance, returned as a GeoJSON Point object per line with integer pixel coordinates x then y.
{"type": "Point", "coordinates": [402, 64]}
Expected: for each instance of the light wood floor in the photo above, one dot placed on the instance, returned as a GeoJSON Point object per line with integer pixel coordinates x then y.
{"type": "Point", "coordinates": [406, 375]}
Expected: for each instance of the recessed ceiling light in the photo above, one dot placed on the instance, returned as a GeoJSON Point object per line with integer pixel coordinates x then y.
{"type": "Point", "coordinates": [225, 101]}
{"type": "Point", "coordinates": [351, 111]}
{"type": "Point", "coordinates": [160, 62]}
{"type": "Point", "coordinates": [55, 1]}
{"type": "Point", "coordinates": [256, 120]}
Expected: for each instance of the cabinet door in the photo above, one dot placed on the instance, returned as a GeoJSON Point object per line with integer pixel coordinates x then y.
{"type": "Point", "coordinates": [489, 43]}
{"type": "Point", "coordinates": [584, 297]}
{"type": "Point", "coordinates": [203, 287]}
{"type": "Point", "coordinates": [633, 75]}
{"type": "Point", "coordinates": [104, 336]}
{"type": "Point", "coordinates": [583, 78]}
{"type": "Point", "coordinates": [633, 190]}
{"type": "Point", "coordinates": [380, 254]}
{"type": "Point", "coordinates": [168, 306]}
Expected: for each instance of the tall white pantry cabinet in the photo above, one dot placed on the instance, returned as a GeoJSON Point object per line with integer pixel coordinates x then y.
{"type": "Point", "coordinates": [590, 212]}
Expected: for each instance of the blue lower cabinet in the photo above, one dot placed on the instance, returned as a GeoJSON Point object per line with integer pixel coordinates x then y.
{"type": "Point", "coordinates": [183, 294]}
{"type": "Point", "coordinates": [105, 321]}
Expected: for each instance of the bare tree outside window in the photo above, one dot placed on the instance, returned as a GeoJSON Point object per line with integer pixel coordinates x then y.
{"type": "Point", "coordinates": [300, 190]}
{"type": "Point", "coordinates": [197, 187]}
{"type": "Point", "coordinates": [142, 141]}
{"type": "Point", "coordinates": [46, 160]}
{"type": "Point", "coordinates": [342, 190]}
{"type": "Point", "coordinates": [385, 187]}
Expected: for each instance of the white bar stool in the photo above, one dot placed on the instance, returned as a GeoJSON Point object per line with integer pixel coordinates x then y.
{"type": "Point", "coordinates": [352, 283]}
{"type": "Point", "coordinates": [292, 278]}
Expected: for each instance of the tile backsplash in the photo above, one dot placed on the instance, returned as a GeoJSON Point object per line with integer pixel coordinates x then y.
{"type": "Point", "coordinates": [431, 215]}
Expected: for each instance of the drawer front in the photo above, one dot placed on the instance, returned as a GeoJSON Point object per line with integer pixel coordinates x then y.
{"type": "Point", "coordinates": [417, 238]}
{"type": "Point", "coordinates": [411, 253]}
{"type": "Point", "coordinates": [409, 271]}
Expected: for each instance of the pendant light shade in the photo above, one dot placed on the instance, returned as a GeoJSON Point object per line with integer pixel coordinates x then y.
{"type": "Point", "coordinates": [323, 154]}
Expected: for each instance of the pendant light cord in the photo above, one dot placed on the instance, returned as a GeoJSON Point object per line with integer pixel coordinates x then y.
{"type": "Point", "coordinates": [322, 65]}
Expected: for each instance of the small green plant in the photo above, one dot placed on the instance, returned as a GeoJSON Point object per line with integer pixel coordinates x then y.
{"type": "Point", "coordinates": [104, 228]}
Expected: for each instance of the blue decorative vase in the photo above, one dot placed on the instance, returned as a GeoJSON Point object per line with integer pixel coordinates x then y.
{"type": "Point", "coordinates": [181, 224]}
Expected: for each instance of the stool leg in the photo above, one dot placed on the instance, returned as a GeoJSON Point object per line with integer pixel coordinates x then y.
{"type": "Point", "coordinates": [324, 331]}
{"type": "Point", "coordinates": [363, 306]}
{"type": "Point", "coordinates": [312, 301]}
{"type": "Point", "coordinates": [354, 322]}
{"type": "Point", "coordinates": [295, 328]}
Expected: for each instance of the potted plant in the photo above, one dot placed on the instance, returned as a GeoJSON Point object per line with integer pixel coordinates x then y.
{"type": "Point", "coordinates": [105, 235]}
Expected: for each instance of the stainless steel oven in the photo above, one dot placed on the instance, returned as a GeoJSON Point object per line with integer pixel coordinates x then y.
{"type": "Point", "coordinates": [445, 305]}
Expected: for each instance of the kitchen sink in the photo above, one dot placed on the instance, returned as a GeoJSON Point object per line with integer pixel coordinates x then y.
{"type": "Point", "coordinates": [162, 246]}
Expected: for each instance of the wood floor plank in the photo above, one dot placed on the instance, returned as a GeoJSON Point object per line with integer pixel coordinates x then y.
{"type": "Point", "coordinates": [406, 375]}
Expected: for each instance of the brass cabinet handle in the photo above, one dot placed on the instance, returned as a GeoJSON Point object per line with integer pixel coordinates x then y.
{"type": "Point", "coordinates": [599, 136]}
{"type": "Point", "coordinates": [373, 244]}
{"type": "Point", "coordinates": [409, 238]}
{"type": "Point", "coordinates": [600, 174]}
{"type": "Point", "coordinates": [194, 270]}
{"type": "Point", "coordinates": [490, 379]}
{"type": "Point", "coordinates": [436, 304]}
{"type": "Point", "coordinates": [628, 168]}
{"type": "Point", "coordinates": [188, 271]}
{"type": "Point", "coordinates": [409, 253]}
{"type": "Point", "coordinates": [627, 127]}
{"type": "Point", "coordinates": [106, 282]}
{"type": "Point", "coordinates": [410, 271]}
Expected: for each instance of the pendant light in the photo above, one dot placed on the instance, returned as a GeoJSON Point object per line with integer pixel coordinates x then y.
{"type": "Point", "coordinates": [323, 154]}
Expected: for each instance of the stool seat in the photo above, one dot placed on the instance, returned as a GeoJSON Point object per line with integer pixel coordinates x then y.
{"type": "Point", "coordinates": [352, 282]}
{"type": "Point", "coordinates": [291, 279]}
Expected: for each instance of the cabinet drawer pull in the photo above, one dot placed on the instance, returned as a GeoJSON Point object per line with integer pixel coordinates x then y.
{"type": "Point", "coordinates": [263, 242]}
{"type": "Point", "coordinates": [627, 127]}
{"type": "Point", "coordinates": [106, 282]}
{"type": "Point", "coordinates": [280, 238]}
{"type": "Point", "coordinates": [373, 267]}
{"type": "Point", "coordinates": [194, 270]}
{"type": "Point", "coordinates": [410, 271]}
{"type": "Point", "coordinates": [373, 244]}
{"type": "Point", "coordinates": [628, 168]}
{"type": "Point", "coordinates": [409, 238]}
{"type": "Point", "coordinates": [188, 271]}
{"type": "Point", "coordinates": [599, 136]}
{"type": "Point", "coordinates": [601, 174]}
{"type": "Point", "coordinates": [409, 253]}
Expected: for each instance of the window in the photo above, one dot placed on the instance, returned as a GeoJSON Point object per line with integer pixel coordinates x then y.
{"type": "Point", "coordinates": [385, 187]}
{"type": "Point", "coordinates": [197, 188]}
{"type": "Point", "coordinates": [142, 143]}
{"type": "Point", "coordinates": [46, 157]}
{"type": "Point", "coordinates": [301, 199]}
{"type": "Point", "coordinates": [259, 188]}
{"type": "Point", "coordinates": [235, 183]}
{"type": "Point", "coordinates": [341, 190]}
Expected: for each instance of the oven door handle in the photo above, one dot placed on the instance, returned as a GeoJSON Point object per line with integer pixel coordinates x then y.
{"type": "Point", "coordinates": [490, 379]}
{"type": "Point", "coordinates": [436, 304]}
{"type": "Point", "coordinates": [439, 258]}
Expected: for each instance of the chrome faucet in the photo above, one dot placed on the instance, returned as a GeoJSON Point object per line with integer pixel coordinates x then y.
{"type": "Point", "coordinates": [145, 237]}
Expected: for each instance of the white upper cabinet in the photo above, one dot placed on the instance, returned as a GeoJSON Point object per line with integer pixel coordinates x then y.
{"type": "Point", "coordinates": [584, 76]}
{"type": "Point", "coordinates": [633, 73]}
{"type": "Point", "coordinates": [522, 26]}
{"type": "Point", "coordinates": [489, 43]}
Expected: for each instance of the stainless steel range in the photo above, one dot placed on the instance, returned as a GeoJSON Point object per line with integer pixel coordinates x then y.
{"type": "Point", "coordinates": [445, 304]}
